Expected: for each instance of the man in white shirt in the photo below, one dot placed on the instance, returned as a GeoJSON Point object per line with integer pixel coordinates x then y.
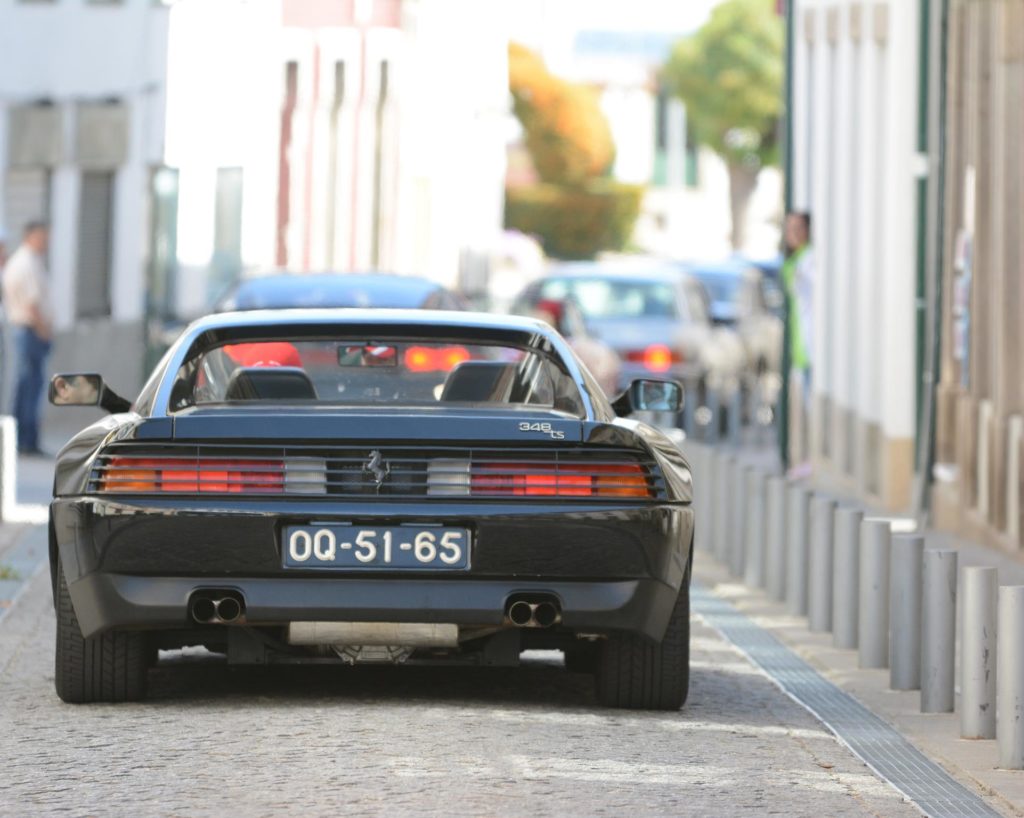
{"type": "Point", "coordinates": [26, 298]}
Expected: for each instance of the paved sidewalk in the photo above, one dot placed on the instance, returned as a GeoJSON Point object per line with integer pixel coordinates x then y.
{"type": "Point", "coordinates": [23, 548]}
{"type": "Point", "coordinates": [971, 762]}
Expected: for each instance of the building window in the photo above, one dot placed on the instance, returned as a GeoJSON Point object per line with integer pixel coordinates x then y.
{"type": "Point", "coordinates": [26, 199]}
{"type": "Point", "coordinates": [284, 176]}
{"type": "Point", "coordinates": [675, 150]}
{"type": "Point", "coordinates": [332, 254]}
{"type": "Point", "coordinates": [95, 227]}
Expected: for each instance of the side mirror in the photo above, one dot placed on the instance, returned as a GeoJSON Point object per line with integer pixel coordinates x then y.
{"type": "Point", "coordinates": [647, 395]}
{"type": "Point", "coordinates": [76, 389]}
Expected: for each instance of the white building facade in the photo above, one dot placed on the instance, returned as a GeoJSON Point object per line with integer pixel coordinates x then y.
{"type": "Point", "coordinates": [82, 95]}
{"type": "Point", "coordinates": [313, 135]}
{"type": "Point", "coordinates": [855, 169]}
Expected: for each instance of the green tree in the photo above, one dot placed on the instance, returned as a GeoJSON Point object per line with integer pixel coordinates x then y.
{"type": "Point", "coordinates": [729, 76]}
{"type": "Point", "coordinates": [576, 210]}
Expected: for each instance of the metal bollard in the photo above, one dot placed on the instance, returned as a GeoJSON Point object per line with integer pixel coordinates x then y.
{"type": "Point", "coordinates": [775, 544]}
{"type": "Point", "coordinates": [753, 569]}
{"type": "Point", "coordinates": [734, 415]}
{"type": "Point", "coordinates": [690, 408]}
{"type": "Point", "coordinates": [697, 455]}
{"type": "Point", "coordinates": [938, 630]}
{"type": "Point", "coordinates": [846, 577]}
{"type": "Point", "coordinates": [873, 610]}
{"type": "Point", "coordinates": [738, 518]}
{"type": "Point", "coordinates": [1010, 678]}
{"type": "Point", "coordinates": [979, 587]}
{"type": "Point", "coordinates": [713, 425]}
{"type": "Point", "coordinates": [796, 549]}
{"type": "Point", "coordinates": [723, 496]}
{"type": "Point", "coordinates": [905, 612]}
{"type": "Point", "coordinates": [819, 564]}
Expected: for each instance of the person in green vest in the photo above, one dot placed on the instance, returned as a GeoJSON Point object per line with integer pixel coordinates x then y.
{"type": "Point", "coordinates": [798, 282]}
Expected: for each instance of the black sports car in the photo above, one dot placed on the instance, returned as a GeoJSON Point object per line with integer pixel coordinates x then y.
{"type": "Point", "coordinates": [372, 486]}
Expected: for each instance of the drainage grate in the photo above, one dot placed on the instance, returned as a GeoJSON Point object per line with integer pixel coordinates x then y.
{"type": "Point", "coordinates": [881, 747]}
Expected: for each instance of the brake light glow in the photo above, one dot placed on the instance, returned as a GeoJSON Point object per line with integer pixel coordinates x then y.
{"type": "Point", "coordinates": [579, 480]}
{"type": "Point", "coordinates": [192, 475]}
{"type": "Point", "coordinates": [656, 357]}
{"type": "Point", "coordinates": [435, 359]}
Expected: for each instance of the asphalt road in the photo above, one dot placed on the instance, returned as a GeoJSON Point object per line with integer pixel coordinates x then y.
{"type": "Point", "coordinates": [413, 741]}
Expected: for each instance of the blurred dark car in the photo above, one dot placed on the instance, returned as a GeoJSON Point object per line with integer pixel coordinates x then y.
{"type": "Point", "coordinates": [361, 290]}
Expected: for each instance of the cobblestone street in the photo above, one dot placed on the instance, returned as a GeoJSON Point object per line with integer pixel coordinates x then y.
{"type": "Point", "coordinates": [413, 741]}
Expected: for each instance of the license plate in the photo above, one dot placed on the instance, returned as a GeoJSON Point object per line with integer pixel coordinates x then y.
{"type": "Point", "coordinates": [347, 547]}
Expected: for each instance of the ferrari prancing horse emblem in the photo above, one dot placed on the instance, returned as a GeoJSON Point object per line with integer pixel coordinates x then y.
{"type": "Point", "coordinates": [378, 467]}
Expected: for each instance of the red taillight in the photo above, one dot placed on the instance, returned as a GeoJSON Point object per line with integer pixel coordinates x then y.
{"type": "Point", "coordinates": [656, 357]}
{"type": "Point", "coordinates": [578, 480]}
{"type": "Point", "coordinates": [192, 475]}
{"type": "Point", "coordinates": [434, 359]}
{"type": "Point", "coordinates": [419, 359]}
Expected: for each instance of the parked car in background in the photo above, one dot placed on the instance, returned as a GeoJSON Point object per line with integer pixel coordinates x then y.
{"type": "Point", "coordinates": [741, 296]}
{"type": "Point", "coordinates": [565, 316]}
{"type": "Point", "coordinates": [284, 290]}
{"type": "Point", "coordinates": [654, 318]}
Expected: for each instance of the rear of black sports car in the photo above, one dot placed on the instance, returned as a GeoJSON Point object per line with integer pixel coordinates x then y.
{"type": "Point", "coordinates": [297, 533]}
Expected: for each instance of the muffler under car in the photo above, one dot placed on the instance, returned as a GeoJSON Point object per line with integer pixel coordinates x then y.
{"type": "Point", "coordinates": [538, 612]}
{"type": "Point", "coordinates": [217, 607]}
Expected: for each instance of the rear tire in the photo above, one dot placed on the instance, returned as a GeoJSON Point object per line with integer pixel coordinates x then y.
{"type": "Point", "coordinates": [636, 673]}
{"type": "Point", "coordinates": [110, 667]}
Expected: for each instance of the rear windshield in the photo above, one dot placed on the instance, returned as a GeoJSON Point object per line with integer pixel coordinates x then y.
{"type": "Point", "coordinates": [377, 372]}
{"type": "Point", "coordinates": [615, 298]}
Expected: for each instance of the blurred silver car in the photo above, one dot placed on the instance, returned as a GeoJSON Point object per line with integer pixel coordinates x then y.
{"type": "Point", "coordinates": [565, 316]}
{"type": "Point", "coordinates": [653, 316]}
{"type": "Point", "coordinates": [743, 298]}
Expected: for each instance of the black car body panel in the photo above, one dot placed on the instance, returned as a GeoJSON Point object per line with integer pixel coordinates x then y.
{"type": "Point", "coordinates": [135, 560]}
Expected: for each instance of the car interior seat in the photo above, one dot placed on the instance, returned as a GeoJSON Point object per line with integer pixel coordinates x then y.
{"type": "Point", "coordinates": [479, 381]}
{"type": "Point", "coordinates": [270, 383]}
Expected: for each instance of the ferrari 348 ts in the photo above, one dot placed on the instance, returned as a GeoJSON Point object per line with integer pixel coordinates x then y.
{"type": "Point", "coordinates": [359, 486]}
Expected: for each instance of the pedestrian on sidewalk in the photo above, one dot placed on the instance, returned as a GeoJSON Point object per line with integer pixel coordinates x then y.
{"type": "Point", "coordinates": [26, 297]}
{"type": "Point", "coordinates": [798, 281]}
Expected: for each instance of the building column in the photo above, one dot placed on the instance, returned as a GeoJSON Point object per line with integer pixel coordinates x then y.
{"type": "Point", "coordinates": [822, 105]}
{"type": "Point", "coordinates": [842, 245]}
{"type": "Point", "coordinates": [897, 295]}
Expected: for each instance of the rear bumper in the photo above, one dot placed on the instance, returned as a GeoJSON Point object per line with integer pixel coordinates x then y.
{"type": "Point", "coordinates": [136, 563]}
{"type": "Point", "coordinates": [104, 601]}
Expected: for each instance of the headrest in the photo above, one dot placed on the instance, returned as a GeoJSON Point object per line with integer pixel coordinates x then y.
{"type": "Point", "coordinates": [478, 381]}
{"type": "Point", "coordinates": [270, 383]}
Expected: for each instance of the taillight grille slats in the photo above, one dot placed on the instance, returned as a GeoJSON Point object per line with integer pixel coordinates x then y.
{"type": "Point", "coordinates": [377, 473]}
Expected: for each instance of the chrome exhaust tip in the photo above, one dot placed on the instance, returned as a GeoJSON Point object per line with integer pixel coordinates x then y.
{"type": "Point", "coordinates": [546, 614]}
{"type": "Point", "coordinates": [520, 614]}
{"type": "Point", "coordinates": [229, 609]}
{"type": "Point", "coordinates": [203, 610]}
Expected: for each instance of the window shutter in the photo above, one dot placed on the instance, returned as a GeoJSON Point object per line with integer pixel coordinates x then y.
{"type": "Point", "coordinates": [95, 217]}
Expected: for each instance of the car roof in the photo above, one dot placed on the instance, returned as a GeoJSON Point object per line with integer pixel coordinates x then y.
{"type": "Point", "coordinates": [728, 268]}
{"type": "Point", "coordinates": [332, 289]}
{"type": "Point", "coordinates": [401, 318]}
{"type": "Point", "coordinates": [619, 270]}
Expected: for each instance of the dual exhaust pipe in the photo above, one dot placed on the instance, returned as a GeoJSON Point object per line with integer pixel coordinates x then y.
{"type": "Point", "coordinates": [529, 614]}
{"type": "Point", "coordinates": [214, 609]}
